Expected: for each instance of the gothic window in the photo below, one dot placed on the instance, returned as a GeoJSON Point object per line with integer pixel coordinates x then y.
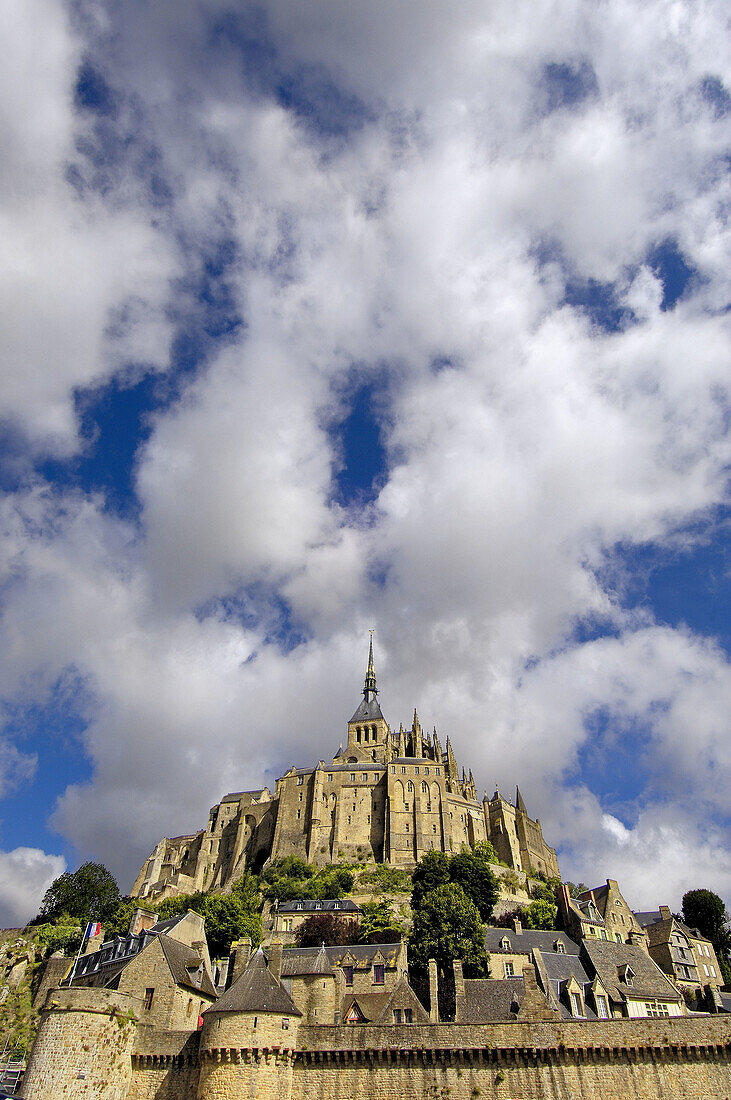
{"type": "Point", "coordinates": [424, 788]}
{"type": "Point", "coordinates": [409, 786]}
{"type": "Point", "coordinates": [357, 735]}
{"type": "Point", "coordinates": [373, 732]}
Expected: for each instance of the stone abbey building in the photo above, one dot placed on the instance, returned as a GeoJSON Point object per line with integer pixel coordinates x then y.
{"type": "Point", "coordinates": [386, 796]}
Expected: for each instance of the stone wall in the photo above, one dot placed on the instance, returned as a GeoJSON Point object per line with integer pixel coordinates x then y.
{"type": "Point", "coordinates": [83, 1047]}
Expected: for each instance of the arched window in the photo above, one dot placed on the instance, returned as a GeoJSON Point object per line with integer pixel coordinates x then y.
{"type": "Point", "coordinates": [373, 732]}
{"type": "Point", "coordinates": [357, 734]}
{"type": "Point", "coordinates": [410, 786]}
{"type": "Point", "coordinates": [424, 788]}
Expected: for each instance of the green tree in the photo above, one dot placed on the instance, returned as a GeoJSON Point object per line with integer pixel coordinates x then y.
{"type": "Point", "coordinates": [704, 910]}
{"type": "Point", "coordinates": [227, 917]}
{"type": "Point", "coordinates": [117, 924]}
{"type": "Point", "coordinates": [89, 893]}
{"type": "Point", "coordinates": [471, 871]}
{"type": "Point", "coordinates": [431, 871]}
{"type": "Point", "coordinates": [447, 926]}
{"type": "Point", "coordinates": [379, 924]}
{"type": "Point", "coordinates": [539, 914]}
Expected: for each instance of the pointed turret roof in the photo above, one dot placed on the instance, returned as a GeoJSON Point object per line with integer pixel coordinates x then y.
{"type": "Point", "coordinates": [257, 990]}
{"type": "Point", "coordinates": [519, 803]}
{"type": "Point", "coordinates": [369, 710]}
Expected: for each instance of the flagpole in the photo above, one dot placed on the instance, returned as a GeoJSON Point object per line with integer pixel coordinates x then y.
{"type": "Point", "coordinates": [84, 938]}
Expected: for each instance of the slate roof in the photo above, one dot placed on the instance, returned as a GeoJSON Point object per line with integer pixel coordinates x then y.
{"type": "Point", "coordinates": [180, 958]}
{"type": "Point", "coordinates": [522, 943]}
{"type": "Point", "coordinates": [370, 1004]}
{"type": "Point", "coordinates": [310, 905]}
{"type": "Point", "coordinates": [256, 990]}
{"type": "Point", "coordinates": [368, 711]}
{"type": "Point", "coordinates": [487, 999]}
{"type": "Point", "coordinates": [653, 917]}
{"type": "Point", "coordinates": [559, 969]}
{"type": "Point", "coordinates": [297, 964]}
{"type": "Point", "coordinates": [235, 796]}
{"type": "Point", "coordinates": [297, 961]}
{"type": "Point", "coordinates": [606, 956]}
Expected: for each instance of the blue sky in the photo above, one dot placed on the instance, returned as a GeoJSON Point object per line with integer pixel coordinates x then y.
{"type": "Point", "coordinates": [320, 320]}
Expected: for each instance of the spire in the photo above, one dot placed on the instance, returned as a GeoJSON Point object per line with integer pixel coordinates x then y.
{"type": "Point", "coordinates": [519, 803]}
{"type": "Point", "coordinates": [370, 690]}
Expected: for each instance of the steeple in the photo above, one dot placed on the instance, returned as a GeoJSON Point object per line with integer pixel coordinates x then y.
{"type": "Point", "coordinates": [370, 690]}
{"type": "Point", "coordinates": [519, 803]}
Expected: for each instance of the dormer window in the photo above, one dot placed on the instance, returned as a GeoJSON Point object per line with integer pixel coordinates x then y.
{"type": "Point", "coordinates": [559, 948]}
{"type": "Point", "coordinates": [505, 944]}
{"type": "Point", "coordinates": [577, 1009]}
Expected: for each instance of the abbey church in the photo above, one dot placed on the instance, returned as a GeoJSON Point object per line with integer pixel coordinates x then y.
{"type": "Point", "coordinates": [386, 797]}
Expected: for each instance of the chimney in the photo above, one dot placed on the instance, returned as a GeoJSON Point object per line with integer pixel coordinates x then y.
{"type": "Point", "coordinates": [275, 958]}
{"type": "Point", "coordinates": [433, 993]}
{"type": "Point", "coordinates": [238, 959]}
{"type": "Point", "coordinates": [221, 971]}
{"type": "Point", "coordinates": [458, 983]}
{"type": "Point", "coordinates": [517, 926]}
{"type": "Point", "coordinates": [665, 913]}
{"type": "Point", "coordinates": [141, 921]}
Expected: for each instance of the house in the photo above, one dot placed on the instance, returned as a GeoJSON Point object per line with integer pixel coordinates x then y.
{"type": "Point", "coordinates": [681, 952]}
{"type": "Point", "coordinates": [510, 949]}
{"type": "Point", "coordinates": [634, 984]}
{"type": "Point", "coordinates": [164, 964]}
{"type": "Point", "coordinates": [289, 915]}
{"type": "Point", "coordinates": [600, 913]}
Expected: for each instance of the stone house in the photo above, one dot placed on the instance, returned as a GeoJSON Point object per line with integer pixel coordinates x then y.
{"type": "Point", "coordinates": [289, 915]}
{"type": "Point", "coordinates": [163, 965]}
{"type": "Point", "coordinates": [510, 949]}
{"type": "Point", "coordinates": [388, 797]}
{"type": "Point", "coordinates": [681, 952]}
{"type": "Point", "coordinates": [635, 985]}
{"type": "Point", "coordinates": [600, 913]}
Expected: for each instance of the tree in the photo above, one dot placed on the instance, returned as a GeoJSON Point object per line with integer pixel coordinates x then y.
{"type": "Point", "coordinates": [539, 914]}
{"type": "Point", "coordinates": [447, 926]}
{"type": "Point", "coordinates": [431, 871]}
{"type": "Point", "coordinates": [89, 894]}
{"type": "Point", "coordinates": [704, 910]}
{"type": "Point", "coordinates": [471, 871]}
{"type": "Point", "coordinates": [326, 928]}
{"type": "Point", "coordinates": [378, 924]}
{"type": "Point", "coordinates": [227, 917]}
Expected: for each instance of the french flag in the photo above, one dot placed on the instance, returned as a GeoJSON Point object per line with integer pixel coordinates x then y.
{"type": "Point", "coordinates": [93, 928]}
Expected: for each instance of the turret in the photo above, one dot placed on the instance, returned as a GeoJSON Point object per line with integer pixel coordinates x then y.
{"type": "Point", "coordinates": [368, 731]}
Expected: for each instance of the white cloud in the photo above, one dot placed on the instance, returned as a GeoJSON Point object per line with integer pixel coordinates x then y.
{"type": "Point", "coordinates": [25, 875]}
{"type": "Point", "coordinates": [513, 471]}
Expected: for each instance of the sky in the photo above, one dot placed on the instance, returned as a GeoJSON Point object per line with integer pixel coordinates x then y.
{"type": "Point", "coordinates": [328, 317]}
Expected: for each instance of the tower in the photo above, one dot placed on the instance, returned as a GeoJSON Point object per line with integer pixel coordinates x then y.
{"type": "Point", "coordinates": [368, 732]}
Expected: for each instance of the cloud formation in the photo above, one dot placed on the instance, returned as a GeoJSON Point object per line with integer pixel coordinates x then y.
{"type": "Point", "coordinates": [507, 227]}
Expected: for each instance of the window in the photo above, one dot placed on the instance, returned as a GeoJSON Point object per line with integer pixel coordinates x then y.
{"type": "Point", "coordinates": [618, 937]}
{"type": "Point", "coordinates": [300, 796]}
{"type": "Point", "coordinates": [378, 974]}
{"type": "Point", "coordinates": [426, 771]}
{"type": "Point", "coordinates": [329, 777]}
{"type": "Point", "coordinates": [602, 1009]}
{"type": "Point", "coordinates": [403, 770]}
{"type": "Point", "coordinates": [364, 777]}
{"type": "Point", "coordinates": [256, 1020]}
{"type": "Point", "coordinates": [424, 788]}
{"type": "Point", "coordinates": [407, 826]}
{"type": "Point", "coordinates": [300, 780]}
{"type": "Point", "coordinates": [393, 770]}
{"type": "Point", "coordinates": [369, 819]}
{"type": "Point", "coordinates": [189, 1009]}
{"type": "Point", "coordinates": [373, 732]}
{"type": "Point", "coordinates": [576, 1009]}
{"type": "Point", "coordinates": [285, 1023]}
{"type": "Point", "coordinates": [504, 944]}
{"type": "Point", "coordinates": [656, 1009]}
{"type": "Point", "coordinates": [416, 771]}
{"type": "Point", "coordinates": [509, 970]}
{"type": "Point", "coordinates": [348, 971]}
{"type": "Point", "coordinates": [406, 805]}
{"type": "Point", "coordinates": [408, 1016]}
{"type": "Point", "coordinates": [357, 735]}
{"type": "Point", "coordinates": [560, 949]}
{"type": "Point", "coordinates": [336, 905]}
{"type": "Point", "coordinates": [299, 814]}
{"type": "Point", "coordinates": [349, 821]}
{"type": "Point", "coordinates": [437, 771]}
{"type": "Point", "coordinates": [352, 777]}
{"type": "Point", "coordinates": [149, 998]}
{"type": "Point", "coordinates": [409, 786]}
{"type": "Point", "coordinates": [397, 1015]}
{"type": "Point", "coordinates": [434, 828]}
{"type": "Point", "coordinates": [705, 969]}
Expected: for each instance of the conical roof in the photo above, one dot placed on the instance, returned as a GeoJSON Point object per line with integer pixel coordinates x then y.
{"type": "Point", "coordinates": [256, 990]}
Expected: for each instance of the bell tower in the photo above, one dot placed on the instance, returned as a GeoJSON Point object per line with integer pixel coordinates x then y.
{"type": "Point", "coordinates": [368, 732]}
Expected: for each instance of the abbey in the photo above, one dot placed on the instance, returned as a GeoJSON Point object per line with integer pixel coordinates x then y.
{"type": "Point", "coordinates": [388, 797]}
